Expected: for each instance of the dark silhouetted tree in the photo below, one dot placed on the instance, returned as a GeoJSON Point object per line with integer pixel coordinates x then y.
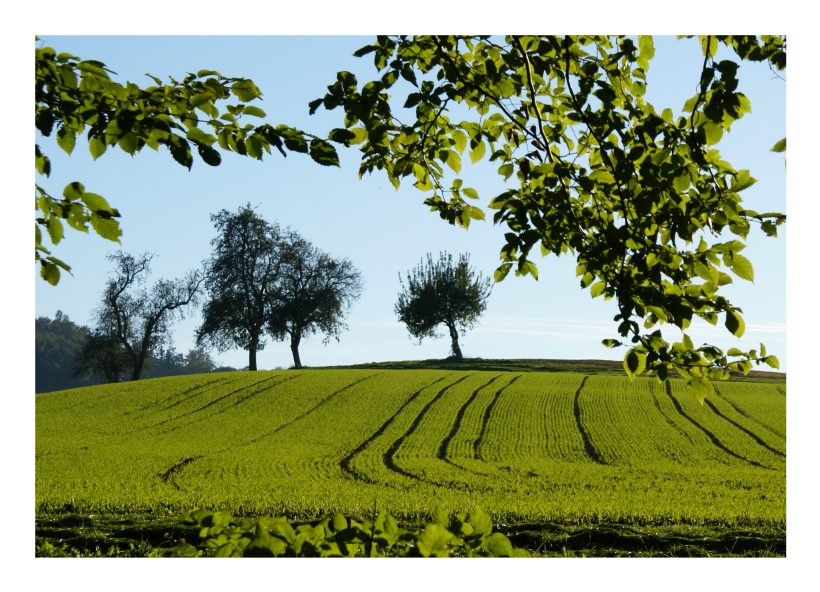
{"type": "Point", "coordinates": [313, 295]}
{"type": "Point", "coordinates": [138, 319]}
{"type": "Point", "coordinates": [241, 279]}
{"type": "Point", "coordinates": [442, 292]}
{"type": "Point", "coordinates": [102, 356]}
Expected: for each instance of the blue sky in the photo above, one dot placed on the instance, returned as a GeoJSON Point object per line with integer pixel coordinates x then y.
{"type": "Point", "coordinates": [384, 232]}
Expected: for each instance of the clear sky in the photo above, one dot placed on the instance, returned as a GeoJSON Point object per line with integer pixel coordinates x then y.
{"type": "Point", "coordinates": [165, 208]}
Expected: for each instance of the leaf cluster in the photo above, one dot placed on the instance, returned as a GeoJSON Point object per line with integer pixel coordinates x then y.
{"type": "Point", "coordinates": [638, 195]}
{"type": "Point", "coordinates": [203, 113]}
{"type": "Point", "coordinates": [462, 535]}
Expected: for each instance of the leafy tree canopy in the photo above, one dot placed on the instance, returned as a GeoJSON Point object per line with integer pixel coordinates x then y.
{"type": "Point", "coordinates": [639, 196]}
{"type": "Point", "coordinates": [204, 113]}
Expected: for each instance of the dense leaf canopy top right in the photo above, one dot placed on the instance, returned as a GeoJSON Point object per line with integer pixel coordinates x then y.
{"type": "Point", "coordinates": [641, 197]}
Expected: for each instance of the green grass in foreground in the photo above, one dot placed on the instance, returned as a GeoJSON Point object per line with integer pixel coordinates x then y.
{"type": "Point", "coordinates": [565, 463]}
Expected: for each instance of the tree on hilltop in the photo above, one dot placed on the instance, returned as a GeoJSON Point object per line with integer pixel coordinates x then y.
{"type": "Point", "coordinates": [442, 292]}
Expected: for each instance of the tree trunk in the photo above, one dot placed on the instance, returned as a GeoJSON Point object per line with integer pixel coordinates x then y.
{"type": "Point", "coordinates": [138, 365]}
{"type": "Point", "coordinates": [252, 354]}
{"type": "Point", "coordinates": [454, 336]}
{"type": "Point", "coordinates": [295, 339]}
{"type": "Point", "coordinates": [138, 359]}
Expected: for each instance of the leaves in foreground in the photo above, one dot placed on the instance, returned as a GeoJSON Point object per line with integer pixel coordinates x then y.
{"type": "Point", "coordinates": [461, 535]}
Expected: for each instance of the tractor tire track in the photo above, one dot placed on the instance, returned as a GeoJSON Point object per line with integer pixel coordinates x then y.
{"type": "Point", "coordinates": [179, 466]}
{"type": "Point", "coordinates": [714, 439]}
{"type": "Point", "coordinates": [749, 417]}
{"type": "Point", "coordinates": [389, 455]}
{"type": "Point", "coordinates": [187, 413]}
{"type": "Point", "coordinates": [168, 475]}
{"type": "Point", "coordinates": [242, 394]}
{"type": "Point", "coordinates": [485, 422]}
{"type": "Point", "coordinates": [668, 419]}
{"type": "Point", "coordinates": [442, 449]}
{"type": "Point", "coordinates": [592, 453]}
{"type": "Point", "coordinates": [179, 397]}
{"type": "Point", "coordinates": [751, 434]}
{"type": "Point", "coordinates": [346, 463]}
{"type": "Point", "coordinates": [309, 411]}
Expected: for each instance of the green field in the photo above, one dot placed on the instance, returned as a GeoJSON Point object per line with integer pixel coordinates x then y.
{"type": "Point", "coordinates": [558, 452]}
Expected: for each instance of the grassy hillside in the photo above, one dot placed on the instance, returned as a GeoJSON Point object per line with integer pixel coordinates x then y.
{"type": "Point", "coordinates": [531, 448]}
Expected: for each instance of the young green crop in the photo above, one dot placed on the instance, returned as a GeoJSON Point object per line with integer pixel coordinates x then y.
{"type": "Point", "coordinates": [525, 447]}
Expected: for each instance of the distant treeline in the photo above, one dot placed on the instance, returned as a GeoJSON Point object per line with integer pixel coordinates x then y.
{"type": "Point", "coordinates": [59, 343]}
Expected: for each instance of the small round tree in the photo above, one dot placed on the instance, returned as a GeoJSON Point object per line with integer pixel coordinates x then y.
{"type": "Point", "coordinates": [442, 292]}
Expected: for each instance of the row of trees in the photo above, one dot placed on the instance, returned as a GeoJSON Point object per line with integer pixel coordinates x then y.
{"type": "Point", "coordinates": [264, 282]}
{"type": "Point", "coordinates": [261, 281]}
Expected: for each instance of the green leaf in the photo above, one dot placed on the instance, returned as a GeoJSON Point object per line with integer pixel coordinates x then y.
{"type": "Point", "coordinates": [106, 227]}
{"type": "Point", "coordinates": [734, 323]}
{"type": "Point", "coordinates": [478, 152]}
{"type": "Point", "coordinates": [341, 135]}
{"type": "Point", "coordinates": [324, 153]}
{"type": "Point", "coordinates": [502, 272]}
{"type": "Point", "coordinates": [454, 161]}
{"type": "Point", "coordinates": [339, 522]}
{"type": "Point", "coordinates": [481, 522]}
{"type": "Point", "coordinates": [55, 229]}
{"type": "Point", "coordinates": [96, 203]}
{"type": "Point", "coordinates": [66, 140]}
{"type": "Point", "coordinates": [634, 362]}
{"type": "Point", "coordinates": [681, 182]}
{"type": "Point", "coordinates": [459, 140]}
{"type": "Point", "coordinates": [780, 146]}
{"type": "Point", "coordinates": [498, 545]}
{"type": "Point", "coordinates": [253, 110]}
{"type": "Point", "coordinates": [597, 289]}
{"type": "Point", "coordinates": [197, 135]}
{"type": "Point", "coordinates": [742, 267]}
{"type": "Point", "coordinates": [433, 542]}
{"type": "Point", "coordinates": [742, 181]}
{"type": "Point", "coordinates": [245, 90]}
{"type": "Point", "coordinates": [128, 143]}
{"type": "Point", "coordinates": [610, 343]}
{"type": "Point", "coordinates": [201, 98]}
{"type": "Point", "coordinates": [772, 361]}
{"type": "Point", "coordinates": [699, 388]}
{"type": "Point", "coordinates": [73, 191]}
{"type": "Point", "coordinates": [470, 192]}
{"type": "Point", "coordinates": [209, 155]}
{"type": "Point", "coordinates": [96, 147]}
{"type": "Point", "coordinates": [713, 133]}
